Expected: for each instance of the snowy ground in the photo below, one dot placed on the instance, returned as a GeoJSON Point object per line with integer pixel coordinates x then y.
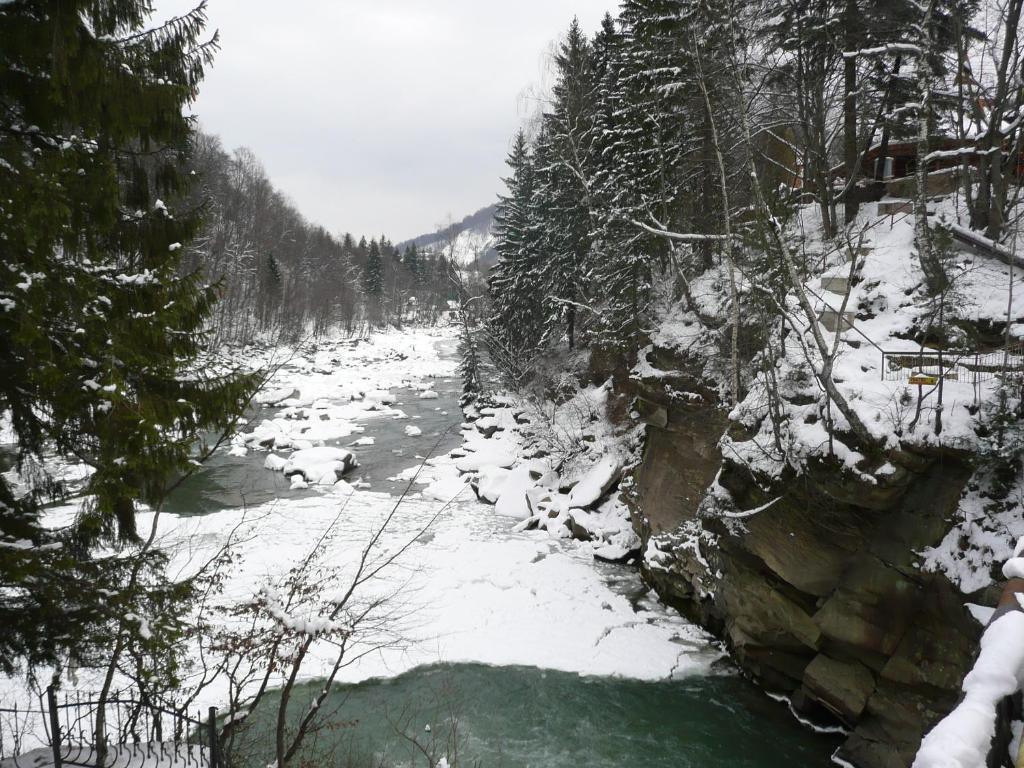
{"type": "Point", "coordinates": [474, 587]}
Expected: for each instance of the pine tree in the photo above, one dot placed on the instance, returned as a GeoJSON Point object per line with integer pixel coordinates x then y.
{"type": "Point", "coordinates": [563, 211]}
{"type": "Point", "coordinates": [516, 324]}
{"type": "Point", "coordinates": [98, 331]}
{"type": "Point", "coordinates": [655, 164]}
{"type": "Point", "coordinates": [373, 282]}
{"type": "Point", "coordinates": [622, 255]}
{"type": "Point", "coordinates": [373, 274]}
{"type": "Point", "coordinates": [411, 260]}
{"type": "Point", "coordinates": [471, 364]}
{"type": "Point", "coordinates": [272, 289]}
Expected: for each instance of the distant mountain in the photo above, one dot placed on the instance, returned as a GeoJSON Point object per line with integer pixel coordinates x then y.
{"type": "Point", "coordinates": [473, 238]}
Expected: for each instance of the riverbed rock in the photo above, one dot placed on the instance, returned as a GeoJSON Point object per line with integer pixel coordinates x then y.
{"type": "Point", "coordinates": [513, 501]}
{"type": "Point", "coordinates": [320, 466]}
{"type": "Point", "coordinates": [843, 687]}
{"type": "Point", "coordinates": [579, 532]}
{"type": "Point", "coordinates": [595, 483]}
{"type": "Point", "coordinates": [272, 397]}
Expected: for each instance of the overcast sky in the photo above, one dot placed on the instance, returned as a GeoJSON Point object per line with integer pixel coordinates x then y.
{"type": "Point", "coordinates": [380, 116]}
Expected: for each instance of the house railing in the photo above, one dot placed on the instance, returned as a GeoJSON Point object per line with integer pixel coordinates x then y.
{"type": "Point", "coordinates": [131, 732]}
{"type": "Point", "coordinates": [928, 366]}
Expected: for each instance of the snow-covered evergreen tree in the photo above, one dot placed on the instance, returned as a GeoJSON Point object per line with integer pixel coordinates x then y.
{"type": "Point", "coordinates": [98, 330]}
{"type": "Point", "coordinates": [515, 326]}
{"type": "Point", "coordinates": [562, 203]}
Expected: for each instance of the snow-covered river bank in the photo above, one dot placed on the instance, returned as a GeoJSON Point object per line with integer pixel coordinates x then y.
{"type": "Point", "coordinates": [476, 590]}
{"type": "Point", "coordinates": [556, 659]}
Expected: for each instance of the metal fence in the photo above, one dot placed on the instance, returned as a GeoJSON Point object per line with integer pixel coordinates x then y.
{"type": "Point", "coordinates": [124, 732]}
{"type": "Point", "coordinates": [952, 365]}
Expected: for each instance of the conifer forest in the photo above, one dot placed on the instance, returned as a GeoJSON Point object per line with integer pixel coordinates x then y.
{"type": "Point", "coordinates": [553, 384]}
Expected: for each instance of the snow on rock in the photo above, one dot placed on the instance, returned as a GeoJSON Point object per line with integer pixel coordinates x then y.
{"type": "Point", "coordinates": [429, 394]}
{"type": "Point", "coordinates": [445, 489]}
{"type": "Point", "coordinates": [615, 553]}
{"type": "Point", "coordinates": [275, 396]}
{"type": "Point", "coordinates": [491, 482]}
{"type": "Point", "coordinates": [1014, 568]}
{"type": "Point", "coordinates": [491, 452]}
{"type": "Point", "coordinates": [320, 466]}
{"type": "Point", "coordinates": [274, 462]}
{"type": "Point", "coordinates": [962, 739]}
{"type": "Point", "coordinates": [595, 483]}
{"type": "Point", "coordinates": [413, 431]}
{"type": "Point", "coordinates": [364, 441]}
{"type": "Point", "coordinates": [513, 501]}
{"type": "Point", "coordinates": [268, 434]}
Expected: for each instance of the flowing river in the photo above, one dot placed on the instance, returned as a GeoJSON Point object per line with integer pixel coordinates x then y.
{"type": "Point", "coordinates": [528, 653]}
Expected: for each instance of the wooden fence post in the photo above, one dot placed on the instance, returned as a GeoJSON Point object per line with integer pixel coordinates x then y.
{"type": "Point", "coordinates": [51, 701]}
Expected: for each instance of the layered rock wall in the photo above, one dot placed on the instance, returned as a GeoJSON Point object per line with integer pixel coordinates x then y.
{"type": "Point", "coordinates": [819, 594]}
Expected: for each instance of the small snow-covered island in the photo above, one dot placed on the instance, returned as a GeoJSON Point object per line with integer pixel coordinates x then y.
{"type": "Point", "coordinates": [700, 444]}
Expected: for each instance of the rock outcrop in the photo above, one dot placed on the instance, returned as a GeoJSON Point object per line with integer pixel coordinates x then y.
{"type": "Point", "coordinates": [819, 594]}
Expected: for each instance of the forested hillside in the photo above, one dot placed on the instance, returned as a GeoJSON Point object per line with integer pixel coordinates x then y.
{"type": "Point", "coordinates": [282, 276]}
{"type": "Point", "coordinates": [479, 223]}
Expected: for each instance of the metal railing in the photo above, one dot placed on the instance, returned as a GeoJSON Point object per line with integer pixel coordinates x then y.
{"type": "Point", "coordinates": [79, 731]}
{"type": "Point", "coordinates": [952, 365]}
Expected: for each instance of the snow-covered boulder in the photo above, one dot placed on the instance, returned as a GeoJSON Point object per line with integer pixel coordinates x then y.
{"type": "Point", "coordinates": [274, 462]}
{"type": "Point", "coordinates": [595, 483]}
{"type": "Point", "coordinates": [445, 489]}
{"type": "Point", "coordinates": [491, 483]}
{"type": "Point", "coordinates": [413, 431]}
{"type": "Point", "coordinates": [267, 435]}
{"type": "Point", "coordinates": [429, 394]}
{"type": "Point", "coordinates": [275, 396]}
{"type": "Point", "coordinates": [381, 396]}
{"type": "Point", "coordinates": [514, 501]}
{"type": "Point", "coordinates": [320, 466]}
{"type": "Point", "coordinates": [491, 452]}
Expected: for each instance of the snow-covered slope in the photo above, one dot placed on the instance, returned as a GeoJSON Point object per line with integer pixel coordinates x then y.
{"type": "Point", "coordinates": [468, 241]}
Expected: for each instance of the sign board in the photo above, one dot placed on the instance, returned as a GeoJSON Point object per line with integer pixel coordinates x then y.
{"type": "Point", "coordinates": [923, 379]}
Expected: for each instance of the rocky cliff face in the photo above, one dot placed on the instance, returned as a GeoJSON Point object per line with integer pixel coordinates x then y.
{"type": "Point", "coordinates": [817, 591]}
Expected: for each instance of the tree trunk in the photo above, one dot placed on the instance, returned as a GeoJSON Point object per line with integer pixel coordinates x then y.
{"type": "Point", "coordinates": [989, 205]}
{"type": "Point", "coordinates": [934, 273]}
{"type": "Point", "coordinates": [734, 299]}
{"type": "Point", "coordinates": [850, 155]}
